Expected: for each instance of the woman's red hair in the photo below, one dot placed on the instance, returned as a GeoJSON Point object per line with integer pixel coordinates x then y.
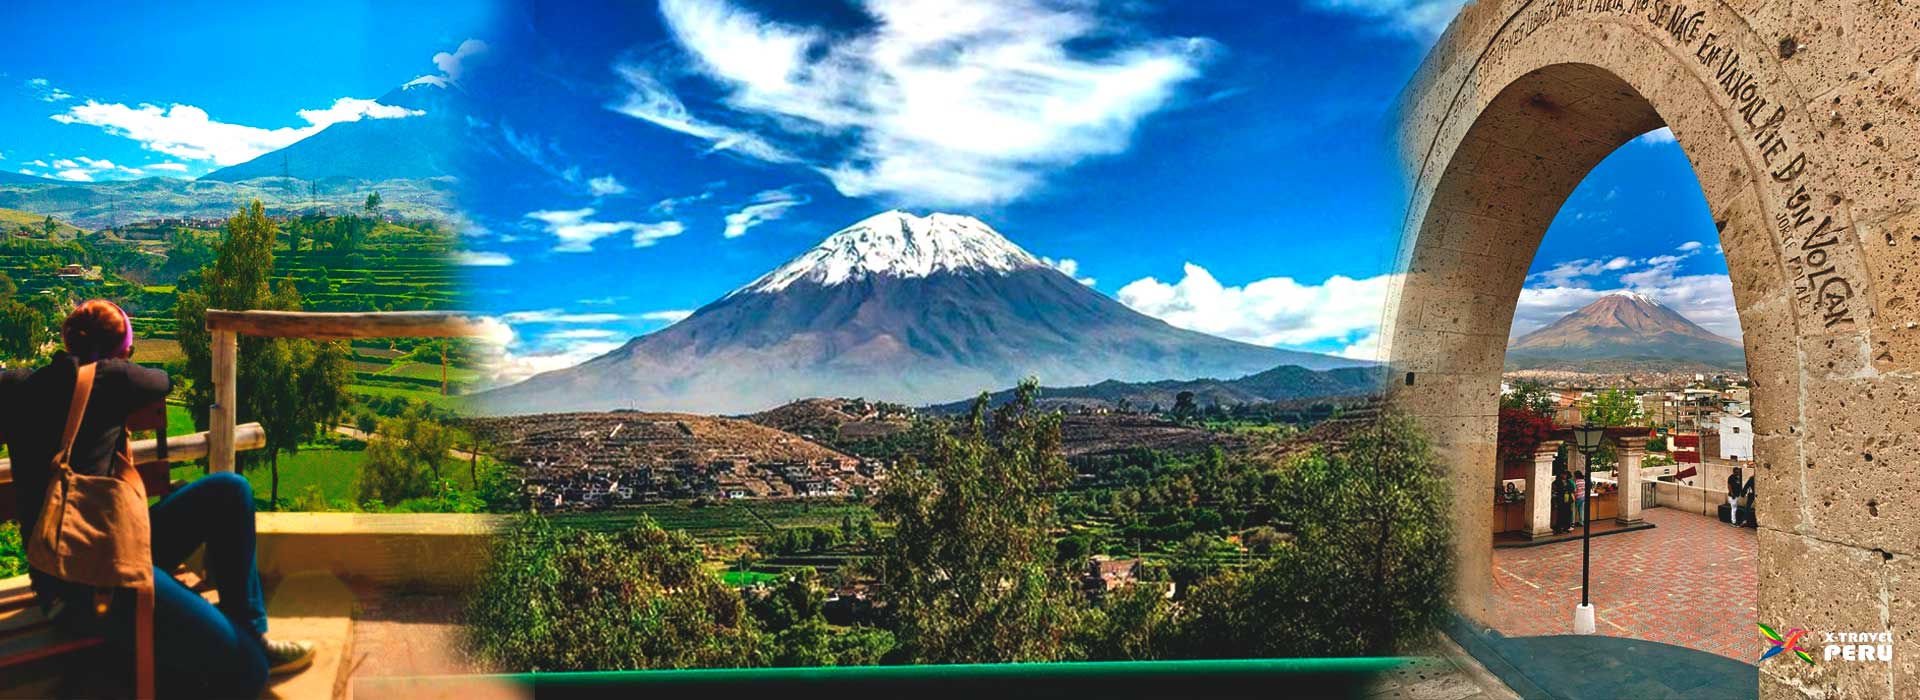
{"type": "Point", "coordinates": [95, 330]}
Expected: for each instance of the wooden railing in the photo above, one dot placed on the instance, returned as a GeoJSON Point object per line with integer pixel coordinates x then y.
{"type": "Point", "coordinates": [180, 448]}
{"type": "Point", "coordinates": [228, 326]}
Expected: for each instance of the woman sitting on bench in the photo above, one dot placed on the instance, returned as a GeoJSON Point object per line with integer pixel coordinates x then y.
{"type": "Point", "coordinates": [200, 650]}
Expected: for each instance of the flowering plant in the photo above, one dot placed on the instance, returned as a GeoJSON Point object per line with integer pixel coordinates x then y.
{"type": "Point", "coordinates": [1521, 432]}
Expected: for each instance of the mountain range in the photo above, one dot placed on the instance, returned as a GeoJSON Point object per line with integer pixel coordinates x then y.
{"type": "Point", "coordinates": [1624, 331]}
{"type": "Point", "coordinates": [1285, 383]}
{"type": "Point", "coordinates": [901, 308]}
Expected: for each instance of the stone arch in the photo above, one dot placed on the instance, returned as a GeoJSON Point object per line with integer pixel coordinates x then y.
{"type": "Point", "coordinates": [1803, 127]}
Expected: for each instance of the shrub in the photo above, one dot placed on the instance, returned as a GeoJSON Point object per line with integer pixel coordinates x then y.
{"type": "Point", "coordinates": [555, 599]}
{"type": "Point", "coordinates": [1368, 570]}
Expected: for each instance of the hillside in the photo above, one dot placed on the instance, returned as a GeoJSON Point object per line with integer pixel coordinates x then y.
{"type": "Point", "coordinates": [1286, 383]}
{"type": "Point", "coordinates": [95, 205]}
{"type": "Point", "coordinates": [847, 419]}
{"type": "Point", "coordinates": [14, 220]}
{"type": "Point", "coordinates": [628, 438]}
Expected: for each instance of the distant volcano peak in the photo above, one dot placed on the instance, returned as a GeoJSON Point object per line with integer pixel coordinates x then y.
{"type": "Point", "coordinates": [900, 244]}
{"type": "Point", "coordinates": [1623, 328]}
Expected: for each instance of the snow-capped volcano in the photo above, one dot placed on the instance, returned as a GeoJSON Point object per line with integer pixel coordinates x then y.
{"type": "Point", "coordinates": [900, 308]}
{"type": "Point", "coordinates": [898, 244]}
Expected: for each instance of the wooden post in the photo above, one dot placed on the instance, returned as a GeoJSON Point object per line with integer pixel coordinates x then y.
{"type": "Point", "coordinates": [220, 418]}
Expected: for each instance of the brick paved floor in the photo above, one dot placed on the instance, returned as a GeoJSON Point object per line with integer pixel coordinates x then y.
{"type": "Point", "coordinates": [1688, 582]}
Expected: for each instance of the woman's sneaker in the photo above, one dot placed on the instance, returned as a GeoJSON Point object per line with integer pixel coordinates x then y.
{"type": "Point", "coordinates": [288, 656]}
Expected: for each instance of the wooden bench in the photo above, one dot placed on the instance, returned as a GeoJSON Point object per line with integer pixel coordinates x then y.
{"type": "Point", "coordinates": [31, 646]}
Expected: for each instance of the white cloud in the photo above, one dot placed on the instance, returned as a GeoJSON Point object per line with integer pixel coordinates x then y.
{"type": "Point", "coordinates": [645, 235]}
{"type": "Point", "coordinates": [352, 109]}
{"type": "Point", "coordinates": [174, 167]}
{"type": "Point", "coordinates": [480, 258]}
{"type": "Point", "coordinates": [1271, 311]}
{"type": "Point", "coordinates": [188, 132]}
{"type": "Point", "coordinates": [46, 92]}
{"type": "Point", "coordinates": [933, 103]}
{"type": "Point", "coordinates": [504, 362]}
{"type": "Point", "coordinates": [581, 334]}
{"type": "Point", "coordinates": [575, 232]}
{"type": "Point", "coordinates": [65, 163]}
{"type": "Point", "coordinates": [1421, 19]}
{"type": "Point", "coordinates": [603, 301]}
{"type": "Point", "coordinates": [1704, 299]}
{"type": "Point", "coordinates": [74, 174]}
{"type": "Point", "coordinates": [559, 316]}
{"type": "Point", "coordinates": [605, 185]}
{"type": "Point", "coordinates": [1070, 268]}
{"type": "Point", "coordinates": [670, 316]}
{"type": "Point", "coordinates": [449, 63]}
{"type": "Point", "coordinates": [40, 163]}
{"type": "Point", "coordinates": [762, 208]}
{"type": "Point", "coordinates": [1662, 135]}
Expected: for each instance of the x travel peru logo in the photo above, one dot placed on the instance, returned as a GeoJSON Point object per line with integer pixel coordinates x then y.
{"type": "Point", "coordinates": [1791, 642]}
{"type": "Point", "coordinates": [1846, 646]}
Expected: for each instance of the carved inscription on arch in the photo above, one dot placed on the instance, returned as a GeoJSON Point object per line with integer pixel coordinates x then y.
{"type": "Point", "coordinates": [1808, 224]}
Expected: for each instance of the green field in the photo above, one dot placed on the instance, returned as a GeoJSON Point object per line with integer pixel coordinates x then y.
{"type": "Point", "coordinates": [723, 519]}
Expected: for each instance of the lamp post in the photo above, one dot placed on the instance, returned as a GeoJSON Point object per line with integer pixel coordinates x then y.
{"type": "Point", "coordinates": [1586, 438]}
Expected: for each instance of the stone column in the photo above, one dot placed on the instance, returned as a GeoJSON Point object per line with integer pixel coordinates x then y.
{"type": "Point", "coordinates": [1576, 460]}
{"type": "Point", "coordinates": [1632, 450]}
{"type": "Point", "coordinates": [1540, 490]}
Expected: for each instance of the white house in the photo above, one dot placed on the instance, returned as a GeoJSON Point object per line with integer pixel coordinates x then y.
{"type": "Point", "coordinates": [1736, 437]}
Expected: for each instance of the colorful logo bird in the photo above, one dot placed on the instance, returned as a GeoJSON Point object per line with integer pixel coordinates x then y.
{"type": "Point", "coordinates": [1777, 644]}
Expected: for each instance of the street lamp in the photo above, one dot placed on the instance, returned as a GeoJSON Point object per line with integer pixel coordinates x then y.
{"type": "Point", "coordinates": [1586, 438]}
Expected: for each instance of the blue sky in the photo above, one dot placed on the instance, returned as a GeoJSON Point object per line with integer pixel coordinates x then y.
{"type": "Point", "coordinates": [122, 90]}
{"type": "Point", "coordinates": [1222, 169]}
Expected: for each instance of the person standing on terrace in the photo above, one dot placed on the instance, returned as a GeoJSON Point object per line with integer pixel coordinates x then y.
{"type": "Point", "coordinates": [200, 650]}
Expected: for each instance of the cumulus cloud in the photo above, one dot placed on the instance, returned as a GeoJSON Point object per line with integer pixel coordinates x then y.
{"type": "Point", "coordinates": [582, 334]}
{"type": "Point", "coordinates": [74, 174]}
{"type": "Point", "coordinates": [1070, 268]}
{"type": "Point", "coordinates": [507, 359]}
{"type": "Point", "coordinates": [1690, 246]}
{"type": "Point", "coordinates": [932, 104]}
{"type": "Point", "coordinates": [1662, 135]}
{"type": "Point", "coordinates": [1271, 311]}
{"type": "Point", "coordinates": [668, 316]}
{"type": "Point", "coordinates": [575, 231]}
{"type": "Point", "coordinates": [605, 186]}
{"type": "Point", "coordinates": [1572, 273]}
{"type": "Point", "coordinates": [1420, 19]}
{"type": "Point", "coordinates": [557, 315]}
{"type": "Point", "coordinates": [766, 206]}
{"type": "Point", "coordinates": [171, 167]}
{"type": "Point", "coordinates": [1706, 299]}
{"type": "Point", "coordinates": [451, 65]}
{"type": "Point", "coordinates": [482, 258]}
{"type": "Point", "coordinates": [188, 132]}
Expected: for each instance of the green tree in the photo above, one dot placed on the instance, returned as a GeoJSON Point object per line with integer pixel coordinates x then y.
{"type": "Point", "coordinates": [373, 205]}
{"type": "Point", "coordinates": [1613, 407]}
{"type": "Point", "coordinates": [1367, 572]}
{"type": "Point", "coordinates": [49, 226]}
{"type": "Point", "coordinates": [404, 459]}
{"type": "Point", "coordinates": [1183, 406]}
{"type": "Point", "coordinates": [7, 287]}
{"type": "Point", "coordinates": [970, 569]}
{"type": "Point", "coordinates": [23, 331]}
{"type": "Point", "coordinates": [1193, 560]}
{"type": "Point", "coordinates": [1529, 395]}
{"type": "Point", "coordinates": [293, 387]}
{"type": "Point", "coordinates": [554, 599]}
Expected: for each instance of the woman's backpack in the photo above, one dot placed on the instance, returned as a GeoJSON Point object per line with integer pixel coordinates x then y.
{"type": "Point", "coordinates": [93, 530]}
